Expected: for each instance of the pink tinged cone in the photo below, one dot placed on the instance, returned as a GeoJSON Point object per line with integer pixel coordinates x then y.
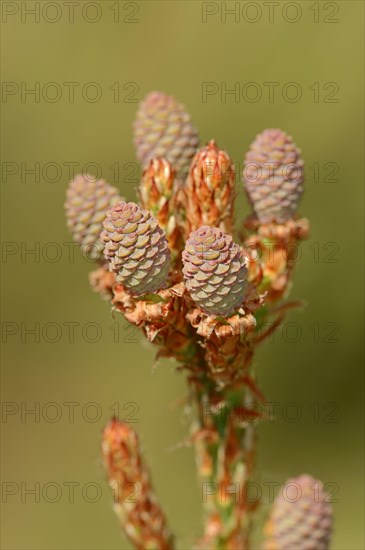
{"type": "Point", "coordinates": [273, 176]}
{"type": "Point", "coordinates": [87, 200]}
{"type": "Point", "coordinates": [136, 248]}
{"type": "Point", "coordinates": [215, 271]}
{"type": "Point", "coordinates": [301, 517]}
{"type": "Point", "coordinates": [163, 128]}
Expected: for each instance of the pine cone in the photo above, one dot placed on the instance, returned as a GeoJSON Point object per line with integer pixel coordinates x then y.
{"type": "Point", "coordinates": [301, 518]}
{"type": "Point", "coordinates": [136, 248]}
{"type": "Point", "coordinates": [209, 190]}
{"type": "Point", "coordinates": [163, 129]}
{"type": "Point", "coordinates": [215, 271]}
{"type": "Point", "coordinates": [273, 176]}
{"type": "Point", "coordinates": [87, 200]}
{"type": "Point", "coordinates": [158, 195]}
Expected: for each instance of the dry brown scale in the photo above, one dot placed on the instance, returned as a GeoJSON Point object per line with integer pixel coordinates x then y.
{"type": "Point", "coordinates": [102, 281]}
{"type": "Point", "coordinates": [277, 248]}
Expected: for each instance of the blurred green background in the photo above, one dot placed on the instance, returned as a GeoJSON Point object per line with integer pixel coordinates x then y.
{"type": "Point", "coordinates": [315, 363]}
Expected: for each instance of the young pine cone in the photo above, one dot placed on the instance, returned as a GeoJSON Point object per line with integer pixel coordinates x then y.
{"type": "Point", "coordinates": [87, 200]}
{"type": "Point", "coordinates": [301, 518]}
{"type": "Point", "coordinates": [136, 248]}
{"type": "Point", "coordinates": [209, 190]}
{"type": "Point", "coordinates": [273, 176]}
{"type": "Point", "coordinates": [215, 271]}
{"type": "Point", "coordinates": [158, 195]}
{"type": "Point", "coordinates": [163, 129]}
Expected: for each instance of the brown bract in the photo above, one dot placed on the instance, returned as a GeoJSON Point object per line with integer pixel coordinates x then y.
{"type": "Point", "coordinates": [220, 348]}
{"type": "Point", "coordinates": [162, 316]}
{"type": "Point", "coordinates": [293, 229]}
{"type": "Point", "coordinates": [227, 342]}
{"type": "Point", "coordinates": [277, 249]}
{"type": "Point", "coordinates": [102, 281]}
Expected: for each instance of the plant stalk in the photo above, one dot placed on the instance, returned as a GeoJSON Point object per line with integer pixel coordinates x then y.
{"type": "Point", "coordinates": [224, 436]}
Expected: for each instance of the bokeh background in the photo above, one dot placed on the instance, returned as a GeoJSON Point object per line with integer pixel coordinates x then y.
{"type": "Point", "coordinates": [167, 46]}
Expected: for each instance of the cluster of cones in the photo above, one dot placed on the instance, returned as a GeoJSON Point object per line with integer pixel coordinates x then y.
{"type": "Point", "coordinates": [174, 266]}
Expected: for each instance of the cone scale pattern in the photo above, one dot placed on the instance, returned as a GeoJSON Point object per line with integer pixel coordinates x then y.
{"type": "Point", "coordinates": [87, 200]}
{"type": "Point", "coordinates": [215, 271]}
{"type": "Point", "coordinates": [136, 248]}
{"type": "Point", "coordinates": [273, 176]}
{"type": "Point", "coordinates": [163, 129]}
{"type": "Point", "coordinates": [209, 189]}
{"type": "Point", "coordinates": [301, 518]}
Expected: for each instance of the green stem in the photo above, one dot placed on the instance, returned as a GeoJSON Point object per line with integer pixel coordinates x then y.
{"type": "Point", "coordinates": [225, 444]}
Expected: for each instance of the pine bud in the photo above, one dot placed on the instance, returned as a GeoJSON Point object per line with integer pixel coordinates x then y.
{"type": "Point", "coordinates": [215, 271]}
{"type": "Point", "coordinates": [163, 128]}
{"type": "Point", "coordinates": [301, 517]}
{"type": "Point", "coordinates": [158, 195]}
{"type": "Point", "coordinates": [136, 248]}
{"type": "Point", "coordinates": [87, 200]}
{"type": "Point", "coordinates": [141, 516]}
{"type": "Point", "coordinates": [209, 189]}
{"type": "Point", "coordinates": [273, 176]}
